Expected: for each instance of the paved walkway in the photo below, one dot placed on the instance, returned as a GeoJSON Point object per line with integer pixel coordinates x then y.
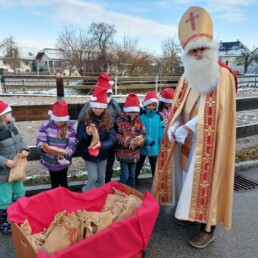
{"type": "Point", "coordinates": [171, 240]}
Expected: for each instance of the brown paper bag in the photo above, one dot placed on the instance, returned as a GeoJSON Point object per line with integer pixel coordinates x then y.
{"type": "Point", "coordinates": [63, 235]}
{"type": "Point", "coordinates": [19, 172]}
{"type": "Point", "coordinates": [55, 151]}
{"type": "Point", "coordinates": [26, 228]}
{"type": "Point", "coordinates": [95, 136]}
{"type": "Point", "coordinates": [130, 207]}
{"type": "Point", "coordinates": [137, 141]}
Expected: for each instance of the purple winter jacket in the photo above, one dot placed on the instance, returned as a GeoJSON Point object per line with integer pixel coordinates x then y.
{"type": "Point", "coordinates": [49, 133]}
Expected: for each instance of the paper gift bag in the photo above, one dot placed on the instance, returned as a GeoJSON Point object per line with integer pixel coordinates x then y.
{"type": "Point", "coordinates": [19, 172]}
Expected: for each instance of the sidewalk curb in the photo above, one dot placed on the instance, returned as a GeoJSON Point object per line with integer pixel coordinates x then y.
{"type": "Point", "coordinates": [77, 185]}
{"type": "Point", "coordinates": [245, 165]}
{"type": "Point", "coordinates": [143, 179]}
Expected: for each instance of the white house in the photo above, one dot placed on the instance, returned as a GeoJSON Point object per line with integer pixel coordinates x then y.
{"type": "Point", "coordinates": [49, 59]}
{"type": "Point", "coordinates": [27, 56]}
{"type": "Point", "coordinates": [231, 52]}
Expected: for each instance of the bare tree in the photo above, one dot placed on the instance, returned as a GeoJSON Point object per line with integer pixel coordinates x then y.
{"type": "Point", "coordinates": [76, 48]}
{"type": "Point", "coordinates": [102, 35]}
{"type": "Point", "coordinates": [130, 60]}
{"type": "Point", "coordinates": [170, 60]}
{"type": "Point", "coordinates": [246, 58]}
{"type": "Point", "coordinates": [11, 52]}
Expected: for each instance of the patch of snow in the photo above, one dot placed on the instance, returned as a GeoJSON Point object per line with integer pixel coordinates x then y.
{"type": "Point", "coordinates": [53, 92]}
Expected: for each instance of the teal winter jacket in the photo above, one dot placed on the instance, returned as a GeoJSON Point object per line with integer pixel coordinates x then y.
{"type": "Point", "coordinates": [155, 129]}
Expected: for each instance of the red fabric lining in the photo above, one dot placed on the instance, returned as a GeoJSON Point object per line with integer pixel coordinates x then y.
{"type": "Point", "coordinates": [120, 240]}
{"type": "Point", "coordinates": [225, 66]}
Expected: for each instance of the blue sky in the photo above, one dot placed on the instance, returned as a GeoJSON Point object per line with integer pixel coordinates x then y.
{"type": "Point", "coordinates": [37, 23]}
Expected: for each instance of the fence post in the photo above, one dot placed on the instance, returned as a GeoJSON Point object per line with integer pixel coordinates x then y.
{"type": "Point", "coordinates": [156, 82]}
{"type": "Point", "coordinates": [115, 83]}
{"type": "Point", "coordinates": [59, 88]}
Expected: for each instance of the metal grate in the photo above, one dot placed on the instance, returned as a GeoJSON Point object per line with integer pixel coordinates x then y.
{"type": "Point", "coordinates": [242, 184]}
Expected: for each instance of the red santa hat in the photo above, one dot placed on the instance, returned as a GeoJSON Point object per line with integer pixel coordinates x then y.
{"type": "Point", "coordinates": [4, 108]}
{"type": "Point", "coordinates": [99, 98]}
{"type": "Point", "coordinates": [59, 111]}
{"type": "Point", "coordinates": [132, 103]}
{"type": "Point", "coordinates": [105, 82]}
{"type": "Point", "coordinates": [150, 97]}
{"type": "Point", "coordinates": [167, 95]}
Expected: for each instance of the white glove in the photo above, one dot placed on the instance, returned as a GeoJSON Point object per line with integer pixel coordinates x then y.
{"type": "Point", "coordinates": [181, 134]}
{"type": "Point", "coordinates": [192, 124]}
{"type": "Point", "coordinates": [171, 131]}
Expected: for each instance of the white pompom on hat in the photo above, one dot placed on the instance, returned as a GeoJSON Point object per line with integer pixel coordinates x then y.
{"type": "Point", "coordinates": [132, 103]}
{"type": "Point", "coordinates": [167, 95]}
{"type": "Point", "coordinates": [59, 111]}
{"type": "Point", "coordinates": [4, 108]}
{"type": "Point", "coordinates": [105, 82]}
{"type": "Point", "coordinates": [150, 97]}
{"type": "Point", "coordinates": [99, 97]}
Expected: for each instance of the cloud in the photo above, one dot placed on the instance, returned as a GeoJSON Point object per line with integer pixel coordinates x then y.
{"type": "Point", "coordinates": [231, 3]}
{"type": "Point", "coordinates": [6, 4]}
{"type": "Point", "coordinates": [39, 44]}
{"type": "Point", "coordinates": [231, 10]}
{"type": "Point", "coordinates": [233, 15]}
{"type": "Point", "coordinates": [37, 3]}
{"type": "Point", "coordinates": [84, 13]}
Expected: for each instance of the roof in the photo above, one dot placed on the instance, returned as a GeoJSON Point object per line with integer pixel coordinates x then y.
{"type": "Point", "coordinates": [234, 48]}
{"type": "Point", "coordinates": [26, 53]}
{"type": "Point", "coordinates": [51, 53]}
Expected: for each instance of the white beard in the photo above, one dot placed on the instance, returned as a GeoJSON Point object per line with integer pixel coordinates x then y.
{"type": "Point", "coordinates": [202, 74]}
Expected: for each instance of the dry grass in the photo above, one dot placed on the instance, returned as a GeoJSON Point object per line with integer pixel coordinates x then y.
{"type": "Point", "coordinates": [249, 153]}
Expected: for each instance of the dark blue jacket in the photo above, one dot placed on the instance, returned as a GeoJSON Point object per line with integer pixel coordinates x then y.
{"type": "Point", "coordinates": [107, 140]}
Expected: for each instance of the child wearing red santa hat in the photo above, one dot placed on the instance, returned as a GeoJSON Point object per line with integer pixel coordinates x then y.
{"type": "Point", "coordinates": [165, 103]}
{"type": "Point", "coordinates": [130, 137]}
{"type": "Point", "coordinates": [96, 156]}
{"type": "Point", "coordinates": [11, 144]}
{"type": "Point", "coordinates": [155, 128]}
{"type": "Point", "coordinates": [114, 109]}
{"type": "Point", "coordinates": [58, 131]}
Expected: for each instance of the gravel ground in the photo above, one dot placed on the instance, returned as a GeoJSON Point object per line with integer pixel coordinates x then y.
{"type": "Point", "coordinates": [29, 130]}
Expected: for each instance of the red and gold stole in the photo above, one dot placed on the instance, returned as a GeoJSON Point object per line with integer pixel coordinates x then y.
{"type": "Point", "coordinates": [205, 151]}
{"type": "Point", "coordinates": [162, 182]}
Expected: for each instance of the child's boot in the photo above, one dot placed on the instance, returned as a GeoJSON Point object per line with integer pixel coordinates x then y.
{"type": "Point", "coordinates": [5, 226]}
